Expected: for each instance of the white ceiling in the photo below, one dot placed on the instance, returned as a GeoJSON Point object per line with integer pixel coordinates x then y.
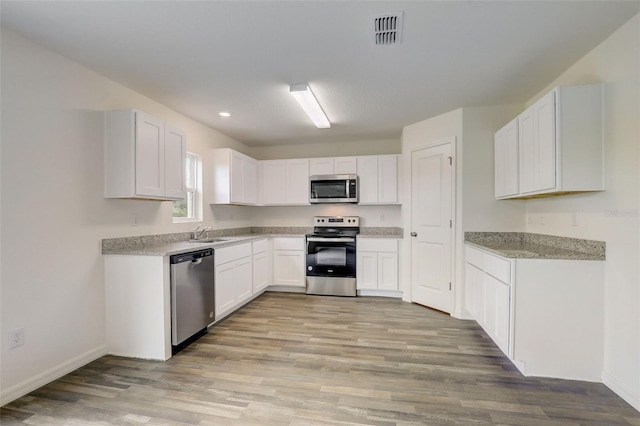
{"type": "Point", "coordinates": [202, 57]}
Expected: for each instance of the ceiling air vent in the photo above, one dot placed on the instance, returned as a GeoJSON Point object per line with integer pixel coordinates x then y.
{"type": "Point", "coordinates": [388, 29]}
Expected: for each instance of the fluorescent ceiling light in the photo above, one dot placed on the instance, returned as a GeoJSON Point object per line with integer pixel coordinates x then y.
{"type": "Point", "coordinates": [224, 114]}
{"type": "Point", "coordinates": [310, 105]}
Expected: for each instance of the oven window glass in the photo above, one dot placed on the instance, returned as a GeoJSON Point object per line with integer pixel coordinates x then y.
{"type": "Point", "coordinates": [329, 189]}
{"type": "Point", "coordinates": [331, 256]}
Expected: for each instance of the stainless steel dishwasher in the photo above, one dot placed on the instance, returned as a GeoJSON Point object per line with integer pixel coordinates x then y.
{"type": "Point", "coordinates": [192, 294]}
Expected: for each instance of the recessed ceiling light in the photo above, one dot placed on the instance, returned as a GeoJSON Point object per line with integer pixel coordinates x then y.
{"type": "Point", "coordinates": [225, 114]}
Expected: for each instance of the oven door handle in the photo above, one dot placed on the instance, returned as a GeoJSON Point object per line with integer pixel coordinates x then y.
{"type": "Point", "coordinates": [331, 240]}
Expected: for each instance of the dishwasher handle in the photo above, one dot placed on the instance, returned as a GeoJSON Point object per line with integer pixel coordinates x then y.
{"type": "Point", "coordinates": [194, 256]}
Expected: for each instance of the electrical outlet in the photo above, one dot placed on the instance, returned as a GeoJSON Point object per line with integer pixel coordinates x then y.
{"type": "Point", "coordinates": [541, 219]}
{"type": "Point", "coordinates": [381, 217]}
{"type": "Point", "coordinates": [575, 218]}
{"type": "Point", "coordinates": [16, 338]}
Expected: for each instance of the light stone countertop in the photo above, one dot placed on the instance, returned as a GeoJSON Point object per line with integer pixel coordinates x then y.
{"type": "Point", "coordinates": [522, 245]}
{"type": "Point", "coordinates": [178, 243]}
{"type": "Point", "coordinates": [179, 247]}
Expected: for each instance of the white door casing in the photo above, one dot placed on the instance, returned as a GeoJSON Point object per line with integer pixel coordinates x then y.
{"type": "Point", "coordinates": [432, 195]}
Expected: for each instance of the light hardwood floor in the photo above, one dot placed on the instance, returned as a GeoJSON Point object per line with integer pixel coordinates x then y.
{"type": "Point", "coordinates": [292, 359]}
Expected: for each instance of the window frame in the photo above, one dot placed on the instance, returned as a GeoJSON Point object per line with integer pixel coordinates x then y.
{"type": "Point", "coordinates": [196, 213]}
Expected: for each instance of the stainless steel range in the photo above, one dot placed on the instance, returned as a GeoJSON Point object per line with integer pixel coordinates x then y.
{"type": "Point", "coordinates": [331, 256]}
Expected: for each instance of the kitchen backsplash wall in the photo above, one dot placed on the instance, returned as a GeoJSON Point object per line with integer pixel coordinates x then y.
{"type": "Point", "coordinates": [378, 216]}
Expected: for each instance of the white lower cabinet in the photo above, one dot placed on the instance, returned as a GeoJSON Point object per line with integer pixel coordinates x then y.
{"type": "Point", "coordinates": [233, 278]}
{"type": "Point", "coordinates": [289, 262]}
{"type": "Point", "coordinates": [262, 275]}
{"type": "Point", "coordinates": [138, 306]}
{"type": "Point", "coordinates": [546, 315]}
{"type": "Point", "coordinates": [377, 265]}
{"type": "Point", "coordinates": [488, 291]}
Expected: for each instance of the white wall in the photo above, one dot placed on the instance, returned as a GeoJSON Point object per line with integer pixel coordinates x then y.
{"type": "Point", "coordinates": [476, 208]}
{"type": "Point", "coordinates": [53, 211]}
{"type": "Point", "coordinates": [424, 134]}
{"type": "Point", "coordinates": [333, 149]}
{"type": "Point", "coordinates": [610, 216]}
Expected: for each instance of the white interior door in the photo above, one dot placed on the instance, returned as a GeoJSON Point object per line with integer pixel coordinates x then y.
{"type": "Point", "coordinates": [432, 226]}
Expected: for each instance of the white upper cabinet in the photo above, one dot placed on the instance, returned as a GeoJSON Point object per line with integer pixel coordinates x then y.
{"type": "Point", "coordinates": [144, 157]}
{"type": "Point", "coordinates": [234, 177]}
{"type": "Point", "coordinates": [321, 166]}
{"type": "Point", "coordinates": [378, 179]}
{"type": "Point", "coordinates": [285, 182]}
{"type": "Point", "coordinates": [333, 165]}
{"type": "Point", "coordinates": [560, 145]}
{"type": "Point", "coordinates": [506, 160]}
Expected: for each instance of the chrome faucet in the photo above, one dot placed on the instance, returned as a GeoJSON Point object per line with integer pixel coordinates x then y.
{"type": "Point", "coordinates": [196, 234]}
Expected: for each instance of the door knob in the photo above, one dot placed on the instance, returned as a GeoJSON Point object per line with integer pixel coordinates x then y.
{"type": "Point", "coordinates": [414, 234]}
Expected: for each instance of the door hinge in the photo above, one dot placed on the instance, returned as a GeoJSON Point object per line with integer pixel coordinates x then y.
{"type": "Point", "coordinates": [450, 223]}
{"type": "Point", "coordinates": [449, 286]}
{"type": "Point", "coordinates": [451, 161]}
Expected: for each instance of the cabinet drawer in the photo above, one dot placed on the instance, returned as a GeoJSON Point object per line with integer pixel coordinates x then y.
{"type": "Point", "coordinates": [498, 267]}
{"type": "Point", "coordinates": [473, 256]}
{"type": "Point", "coordinates": [228, 254]}
{"type": "Point", "coordinates": [379, 245]}
{"type": "Point", "coordinates": [296, 243]}
{"type": "Point", "coordinates": [259, 246]}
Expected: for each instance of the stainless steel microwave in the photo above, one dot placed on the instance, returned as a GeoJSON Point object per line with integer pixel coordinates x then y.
{"type": "Point", "coordinates": [333, 189]}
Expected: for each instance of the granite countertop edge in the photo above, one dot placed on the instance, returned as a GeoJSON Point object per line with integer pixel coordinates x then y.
{"type": "Point", "coordinates": [517, 246]}
{"type": "Point", "coordinates": [170, 244]}
{"type": "Point", "coordinates": [180, 247]}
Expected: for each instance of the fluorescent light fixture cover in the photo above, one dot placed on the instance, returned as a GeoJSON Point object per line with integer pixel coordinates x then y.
{"type": "Point", "coordinates": [302, 93]}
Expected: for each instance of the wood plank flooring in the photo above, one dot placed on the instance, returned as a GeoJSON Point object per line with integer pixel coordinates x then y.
{"type": "Point", "coordinates": [292, 359]}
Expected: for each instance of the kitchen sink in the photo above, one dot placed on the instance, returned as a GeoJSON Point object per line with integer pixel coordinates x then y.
{"type": "Point", "coordinates": [209, 240]}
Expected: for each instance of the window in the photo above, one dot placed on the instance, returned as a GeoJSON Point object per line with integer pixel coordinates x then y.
{"type": "Point", "coordinates": [190, 209]}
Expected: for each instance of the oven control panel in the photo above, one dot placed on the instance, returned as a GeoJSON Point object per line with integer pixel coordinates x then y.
{"type": "Point", "coordinates": [350, 221]}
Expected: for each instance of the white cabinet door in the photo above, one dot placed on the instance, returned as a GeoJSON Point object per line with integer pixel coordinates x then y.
{"type": "Point", "coordinates": [297, 181]}
{"type": "Point", "coordinates": [175, 151]}
{"type": "Point", "coordinates": [321, 166]}
{"type": "Point", "coordinates": [367, 270]}
{"type": "Point", "coordinates": [333, 165]}
{"type": "Point", "coordinates": [345, 165]}
{"type": "Point", "coordinates": [502, 306]}
{"type": "Point", "coordinates": [544, 132]}
{"type": "Point", "coordinates": [261, 272]}
{"type": "Point", "coordinates": [144, 157]}
{"type": "Point", "coordinates": [560, 144]}
{"type": "Point", "coordinates": [506, 160]}
{"type": "Point", "coordinates": [388, 271]}
{"type": "Point", "coordinates": [224, 289]}
{"type": "Point", "coordinates": [234, 178]}
{"type": "Point", "coordinates": [489, 305]}
{"type": "Point", "coordinates": [243, 279]}
{"type": "Point", "coordinates": [378, 179]}
{"type": "Point", "coordinates": [368, 179]}
{"type": "Point", "coordinates": [285, 182]}
{"type": "Point", "coordinates": [387, 179]}
{"type": "Point", "coordinates": [149, 155]}
{"type": "Point", "coordinates": [288, 268]}
{"type": "Point", "coordinates": [526, 144]}
{"type": "Point", "coordinates": [377, 264]}
{"type": "Point", "coordinates": [473, 291]}
{"type": "Point", "coordinates": [273, 182]}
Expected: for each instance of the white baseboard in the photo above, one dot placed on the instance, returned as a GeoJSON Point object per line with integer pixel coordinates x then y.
{"type": "Point", "coordinates": [29, 385]}
{"type": "Point", "coordinates": [381, 293]}
{"type": "Point", "coordinates": [286, 289]}
{"type": "Point", "coordinates": [622, 390]}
